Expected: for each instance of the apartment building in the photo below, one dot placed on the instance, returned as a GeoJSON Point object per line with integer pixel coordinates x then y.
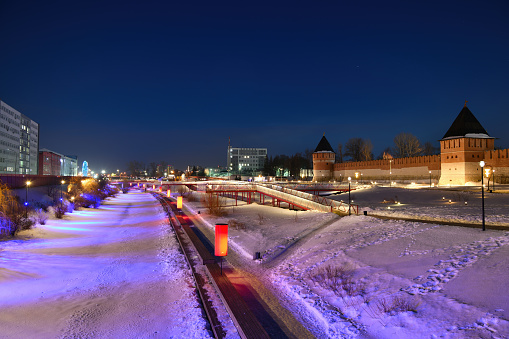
{"type": "Point", "coordinates": [19, 142]}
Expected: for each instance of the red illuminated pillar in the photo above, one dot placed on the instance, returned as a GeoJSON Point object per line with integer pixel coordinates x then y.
{"type": "Point", "coordinates": [221, 242]}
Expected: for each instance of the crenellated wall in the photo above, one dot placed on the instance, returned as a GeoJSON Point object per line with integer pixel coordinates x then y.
{"type": "Point", "coordinates": [499, 161]}
{"type": "Point", "coordinates": [390, 169]}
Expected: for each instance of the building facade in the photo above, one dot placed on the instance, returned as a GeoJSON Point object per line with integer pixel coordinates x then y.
{"type": "Point", "coordinates": [245, 160]}
{"type": "Point", "coordinates": [53, 163]}
{"type": "Point", "coordinates": [462, 148]}
{"type": "Point", "coordinates": [19, 142]}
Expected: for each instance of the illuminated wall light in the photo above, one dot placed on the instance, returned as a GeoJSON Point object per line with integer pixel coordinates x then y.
{"type": "Point", "coordinates": [153, 187]}
{"type": "Point", "coordinates": [179, 202]}
{"type": "Point", "coordinates": [221, 241]}
{"type": "Point", "coordinates": [160, 188]}
{"type": "Point", "coordinates": [168, 193]}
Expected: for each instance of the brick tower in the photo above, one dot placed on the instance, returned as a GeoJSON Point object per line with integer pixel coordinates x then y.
{"type": "Point", "coordinates": [462, 148]}
{"type": "Point", "coordinates": [323, 161]}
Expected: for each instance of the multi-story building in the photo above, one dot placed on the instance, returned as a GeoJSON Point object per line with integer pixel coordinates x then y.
{"type": "Point", "coordinates": [245, 160]}
{"type": "Point", "coordinates": [53, 163]}
{"type": "Point", "coordinates": [19, 142]}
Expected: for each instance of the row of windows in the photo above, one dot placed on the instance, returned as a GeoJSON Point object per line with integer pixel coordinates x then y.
{"type": "Point", "coordinates": [8, 111]}
{"type": "Point", "coordinates": [9, 120]}
{"type": "Point", "coordinates": [9, 128]}
{"type": "Point", "coordinates": [8, 144]}
{"type": "Point", "coordinates": [8, 136]}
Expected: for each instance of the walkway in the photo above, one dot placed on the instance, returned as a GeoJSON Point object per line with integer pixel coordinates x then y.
{"type": "Point", "coordinates": [442, 222]}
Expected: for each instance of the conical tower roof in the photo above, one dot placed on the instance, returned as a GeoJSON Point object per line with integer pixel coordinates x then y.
{"type": "Point", "coordinates": [324, 146]}
{"type": "Point", "coordinates": [466, 125]}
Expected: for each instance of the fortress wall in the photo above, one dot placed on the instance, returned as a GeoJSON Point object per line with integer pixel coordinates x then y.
{"type": "Point", "coordinates": [431, 161]}
{"type": "Point", "coordinates": [499, 161]}
{"type": "Point", "coordinates": [401, 168]}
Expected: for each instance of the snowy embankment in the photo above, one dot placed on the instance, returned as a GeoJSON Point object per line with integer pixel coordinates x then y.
{"type": "Point", "coordinates": [360, 276]}
{"type": "Point", "coordinates": [432, 204]}
{"type": "Point", "coordinates": [112, 272]}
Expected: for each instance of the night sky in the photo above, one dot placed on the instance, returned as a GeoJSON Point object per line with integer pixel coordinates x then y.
{"type": "Point", "coordinates": [173, 80]}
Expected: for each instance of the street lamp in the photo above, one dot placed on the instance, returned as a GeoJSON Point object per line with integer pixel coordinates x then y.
{"type": "Point", "coordinates": [482, 194]}
{"type": "Point", "coordinates": [487, 173]}
{"type": "Point", "coordinates": [26, 199]}
{"type": "Point", "coordinates": [429, 179]}
{"type": "Point", "coordinates": [493, 180]}
{"type": "Point", "coordinates": [390, 173]}
{"type": "Point", "coordinates": [61, 189]}
{"type": "Point", "coordinates": [349, 206]}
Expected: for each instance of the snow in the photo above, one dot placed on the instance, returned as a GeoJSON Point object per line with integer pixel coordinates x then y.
{"type": "Point", "coordinates": [112, 272]}
{"type": "Point", "coordinates": [95, 275]}
{"type": "Point", "coordinates": [448, 281]}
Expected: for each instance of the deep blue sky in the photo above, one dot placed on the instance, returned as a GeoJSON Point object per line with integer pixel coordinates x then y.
{"type": "Point", "coordinates": [118, 81]}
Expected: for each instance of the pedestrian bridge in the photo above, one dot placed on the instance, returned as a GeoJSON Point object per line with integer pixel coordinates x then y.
{"type": "Point", "coordinates": [278, 194]}
{"type": "Point", "coordinates": [294, 195]}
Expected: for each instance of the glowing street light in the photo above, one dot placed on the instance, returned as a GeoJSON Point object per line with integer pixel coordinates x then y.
{"type": "Point", "coordinates": [482, 163]}
{"type": "Point", "coordinates": [26, 199]}
{"type": "Point", "coordinates": [390, 173]}
{"type": "Point", "coordinates": [349, 206]}
{"type": "Point", "coordinates": [487, 173]}
{"type": "Point", "coordinates": [493, 180]}
{"type": "Point", "coordinates": [429, 179]}
{"type": "Point", "coordinates": [61, 189]}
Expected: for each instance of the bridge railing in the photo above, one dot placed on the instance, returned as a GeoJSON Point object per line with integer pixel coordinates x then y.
{"type": "Point", "coordinates": [303, 199]}
{"type": "Point", "coordinates": [300, 201]}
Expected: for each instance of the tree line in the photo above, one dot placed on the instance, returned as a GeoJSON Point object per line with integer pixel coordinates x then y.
{"type": "Point", "coordinates": [405, 145]}
{"type": "Point", "coordinates": [355, 149]}
{"type": "Point", "coordinates": [153, 169]}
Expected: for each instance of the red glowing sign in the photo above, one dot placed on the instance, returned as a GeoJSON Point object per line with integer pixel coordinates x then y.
{"type": "Point", "coordinates": [221, 243]}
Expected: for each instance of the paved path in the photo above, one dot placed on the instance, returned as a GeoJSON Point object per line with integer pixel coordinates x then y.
{"type": "Point", "coordinates": [440, 222]}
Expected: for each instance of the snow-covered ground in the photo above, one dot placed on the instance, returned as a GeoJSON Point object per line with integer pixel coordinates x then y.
{"type": "Point", "coordinates": [359, 276]}
{"type": "Point", "coordinates": [90, 275]}
{"type": "Point", "coordinates": [453, 204]}
{"type": "Point", "coordinates": [112, 272]}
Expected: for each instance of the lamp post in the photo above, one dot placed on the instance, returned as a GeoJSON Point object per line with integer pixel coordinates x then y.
{"type": "Point", "coordinates": [429, 179]}
{"type": "Point", "coordinates": [482, 193]}
{"type": "Point", "coordinates": [487, 172]}
{"type": "Point", "coordinates": [493, 180]}
{"type": "Point", "coordinates": [26, 199]}
{"type": "Point", "coordinates": [61, 189]}
{"type": "Point", "coordinates": [390, 173]}
{"type": "Point", "coordinates": [349, 206]}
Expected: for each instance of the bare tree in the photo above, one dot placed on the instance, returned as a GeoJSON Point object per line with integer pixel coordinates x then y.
{"type": "Point", "coordinates": [135, 168]}
{"type": "Point", "coordinates": [152, 169]}
{"type": "Point", "coordinates": [366, 150]}
{"type": "Point", "coordinates": [339, 157]}
{"type": "Point", "coordinates": [429, 149]}
{"type": "Point", "coordinates": [353, 149]}
{"type": "Point", "coordinates": [359, 149]}
{"type": "Point", "coordinates": [406, 145]}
